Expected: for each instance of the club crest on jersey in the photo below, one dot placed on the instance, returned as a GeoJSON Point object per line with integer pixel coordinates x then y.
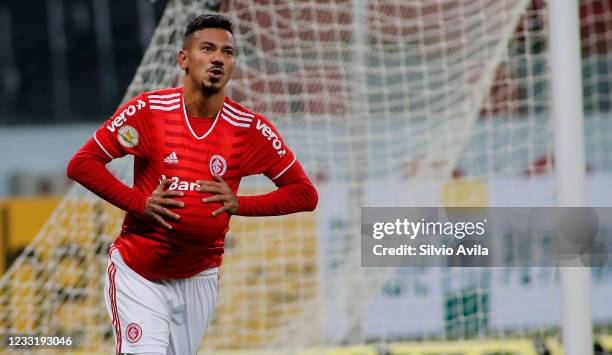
{"type": "Point", "coordinates": [128, 136]}
{"type": "Point", "coordinates": [133, 332]}
{"type": "Point", "coordinates": [217, 165]}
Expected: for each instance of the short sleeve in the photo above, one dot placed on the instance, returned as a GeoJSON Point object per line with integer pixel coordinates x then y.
{"type": "Point", "coordinates": [125, 132]}
{"type": "Point", "coordinates": [266, 152]}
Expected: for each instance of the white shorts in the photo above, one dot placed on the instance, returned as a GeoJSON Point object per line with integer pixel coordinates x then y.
{"type": "Point", "coordinates": [163, 317]}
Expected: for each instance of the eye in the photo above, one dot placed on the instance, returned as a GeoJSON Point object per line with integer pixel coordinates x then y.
{"type": "Point", "coordinates": [229, 52]}
{"type": "Point", "coordinates": [207, 49]}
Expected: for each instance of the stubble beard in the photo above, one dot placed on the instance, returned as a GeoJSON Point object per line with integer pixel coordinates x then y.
{"type": "Point", "coordinates": [211, 87]}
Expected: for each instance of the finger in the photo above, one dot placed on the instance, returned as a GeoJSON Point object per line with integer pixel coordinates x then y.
{"type": "Point", "coordinates": [167, 202]}
{"type": "Point", "coordinates": [213, 189]}
{"type": "Point", "coordinates": [221, 210]}
{"type": "Point", "coordinates": [206, 183]}
{"type": "Point", "coordinates": [172, 193]}
{"type": "Point", "coordinates": [202, 184]}
{"type": "Point", "coordinates": [216, 198]}
{"type": "Point", "coordinates": [165, 212]}
{"type": "Point", "coordinates": [218, 178]}
{"type": "Point", "coordinates": [164, 185]}
{"type": "Point", "coordinates": [161, 221]}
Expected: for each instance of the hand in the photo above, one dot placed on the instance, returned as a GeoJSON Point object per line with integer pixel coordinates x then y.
{"type": "Point", "coordinates": [155, 208]}
{"type": "Point", "coordinates": [222, 193]}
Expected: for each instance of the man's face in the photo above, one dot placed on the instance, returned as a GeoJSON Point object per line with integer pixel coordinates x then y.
{"type": "Point", "coordinates": [209, 58]}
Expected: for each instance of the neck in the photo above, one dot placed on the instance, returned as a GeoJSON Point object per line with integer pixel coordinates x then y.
{"type": "Point", "coordinates": [201, 104]}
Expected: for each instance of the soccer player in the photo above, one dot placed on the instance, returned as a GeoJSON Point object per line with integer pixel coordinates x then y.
{"type": "Point", "coordinates": [192, 145]}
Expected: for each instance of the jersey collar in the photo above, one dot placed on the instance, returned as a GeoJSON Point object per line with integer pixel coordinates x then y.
{"type": "Point", "coordinates": [186, 118]}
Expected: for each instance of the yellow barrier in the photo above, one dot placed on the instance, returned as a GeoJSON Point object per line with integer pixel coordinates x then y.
{"type": "Point", "coordinates": [554, 346]}
{"type": "Point", "coordinates": [512, 346]}
{"type": "Point", "coordinates": [348, 350]}
{"type": "Point", "coordinates": [20, 219]}
{"type": "Point", "coordinates": [471, 347]}
{"type": "Point", "coordinates": [605, 341]}
{"type": "Point", "coordinates": [465, 193]}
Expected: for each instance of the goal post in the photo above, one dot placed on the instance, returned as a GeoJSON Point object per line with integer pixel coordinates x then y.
{"type": "Point", "coordinates": [386, 103]}
{"type": "Point", "coordinates": [567, 107]}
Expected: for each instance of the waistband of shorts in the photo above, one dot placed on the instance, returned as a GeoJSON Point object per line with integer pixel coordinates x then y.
{"type": "Point", "coordinates": [118, 257]}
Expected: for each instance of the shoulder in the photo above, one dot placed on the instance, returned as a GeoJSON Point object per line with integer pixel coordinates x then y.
{"type": "Point", "coordinates": [238, 115]}
{"type": "Point", "coordinates": [262, 130]}
{"type": "Point", "coordinates": [258, 121]}
{"type": "Point", "coordinates": [168, 99]}
{"type": "Point", "coordinates": [164, 93]}
{"type": "Point", "coordinates": [238, 107]}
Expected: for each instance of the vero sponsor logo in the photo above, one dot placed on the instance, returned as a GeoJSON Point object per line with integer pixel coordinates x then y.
{"type": "Point", "coordinates": [124, 115]}
{"type": "Point", "coordinates": [267, 132]}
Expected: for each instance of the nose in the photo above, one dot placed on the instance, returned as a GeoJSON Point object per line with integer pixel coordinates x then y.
{"type": "Point", "coordinates": [217, 58]}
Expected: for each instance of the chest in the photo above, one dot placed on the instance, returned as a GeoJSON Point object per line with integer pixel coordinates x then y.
{"type": "Point", "coordinates": [181, 152]}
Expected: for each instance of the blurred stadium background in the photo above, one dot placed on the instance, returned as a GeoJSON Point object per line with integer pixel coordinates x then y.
{"type": "Point", "coordinates": [386, 103]}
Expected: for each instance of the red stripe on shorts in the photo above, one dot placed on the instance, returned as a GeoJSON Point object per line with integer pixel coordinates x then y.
{"type": "Point", "coordinates": [112, 293]}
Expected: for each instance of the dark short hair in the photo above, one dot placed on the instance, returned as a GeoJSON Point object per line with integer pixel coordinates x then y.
{"type": "Point", "coordinates": [207, 21]}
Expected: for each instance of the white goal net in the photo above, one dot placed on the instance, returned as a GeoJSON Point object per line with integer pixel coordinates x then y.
{"type": "Point", "coordinates": [385, 103]}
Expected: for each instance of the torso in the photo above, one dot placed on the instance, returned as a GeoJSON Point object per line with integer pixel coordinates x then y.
{"type": "Point", "coordinates": [176, 152]}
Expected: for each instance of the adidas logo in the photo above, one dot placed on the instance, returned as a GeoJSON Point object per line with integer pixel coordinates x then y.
{"type": "Point", "coordinates": [171, 159]}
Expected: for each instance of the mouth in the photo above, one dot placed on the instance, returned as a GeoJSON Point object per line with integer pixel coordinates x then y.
{"type": "Point", "coordinates": [216, 72]}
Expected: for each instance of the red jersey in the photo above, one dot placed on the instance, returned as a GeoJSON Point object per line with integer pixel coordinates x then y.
{"type": "Point", "coordinates": [154, 127]}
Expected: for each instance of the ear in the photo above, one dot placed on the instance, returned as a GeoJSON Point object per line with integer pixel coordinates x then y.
{"type": "Point", "coordinates": [182, 59]}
